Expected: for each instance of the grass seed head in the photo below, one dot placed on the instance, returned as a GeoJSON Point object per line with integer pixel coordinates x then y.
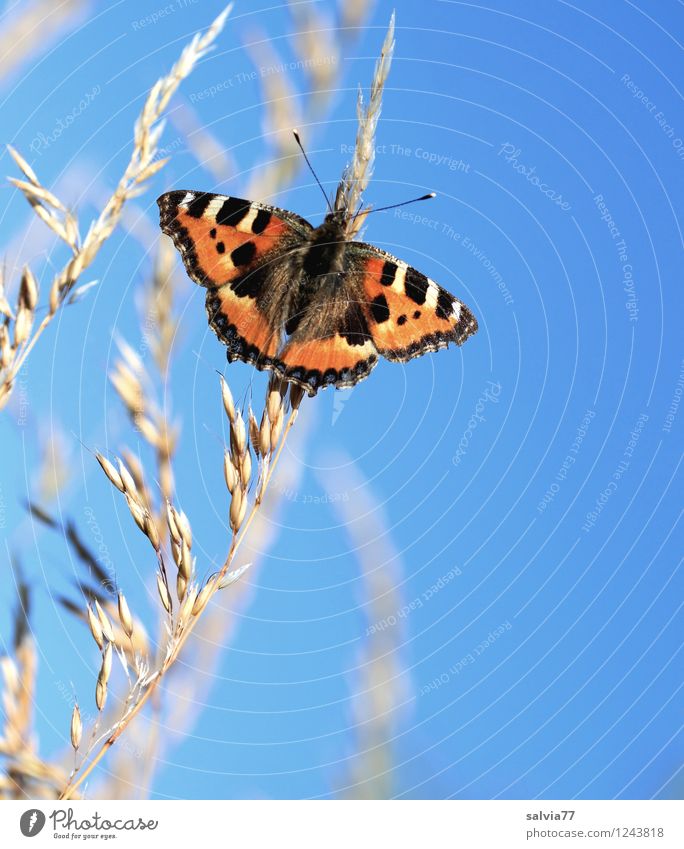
{"type": "Point", "coordinates": [184, 528]}
{"type": "Point", "coordinates": [22, 325]}
{"type": "Point", "coordinates": [152, 532]}
{"type": "Point", "coordinates": [181, 587]}
{"type": "Point", "coordinates": [238, 436]}
{"type": "Point", "coordinates": [254, 431]}
{"type": "Point", "coordinates": [139, 513]}
{"type": "Point", "coordinates": [265, 435]}
{"type": "Point", "coordinates": [228, 403]}
{"type": "Point", "coordinates": [185, 565]}
{"type": "Point", "coordinates": [100, 694]}
{"type": "Point", "coordinates": [203, 597]}
{"type": "Point", "coordinates": [274, 403]}
{"type": "Point", "coordinates": [187, 605]}
{"type": "Point", "coordinates": [106, 668]}
{"type": "Point", "coordinates": [110, 471]}
{"type": "Point", "coordinates": [5, 347]}
{"type": "Point", "coordinates": [163, 593]}
{"type": "Point", "coordinates": [296, 395]}
{"type": "Point", "coordinates": [246, 469]}
{"type": "Point", "coordinates": [95, 627]}
{"type": "Point", "coordinates": [238, 508]}
{"type": "Point", "coordinates": [229, 472]}
{"type": "Point", "coordinates": [129, 486]}
{"type": "Point", "coordinates": [277, 426]}
{"type": "Point", "coordinates": [125, 616]}
{"type": "Point", "coordinates": [76, 727]}
{"type": "Point", "coordinates": [28, 289]}
{"type": "Point", "coordinates": [172, 523]}
{"type": "Point", "coordinates": [104, 622]}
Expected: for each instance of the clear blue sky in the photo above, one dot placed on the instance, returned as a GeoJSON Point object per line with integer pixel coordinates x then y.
{"type": "Point", "coordinates": [519, 494]}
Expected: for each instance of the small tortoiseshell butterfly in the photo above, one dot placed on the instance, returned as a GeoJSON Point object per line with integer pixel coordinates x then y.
{"type": "Point", "coordinates": [306, 302]}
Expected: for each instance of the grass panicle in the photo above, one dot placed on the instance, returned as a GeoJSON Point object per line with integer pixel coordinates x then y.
{"type": "Point", "coordinates": [142, 166]}
{"type": "Point", "coordinates": [357, 175]}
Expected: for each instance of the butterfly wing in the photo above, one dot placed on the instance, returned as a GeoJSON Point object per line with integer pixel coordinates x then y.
{"type": "Point", "coordinates": [407, 313]}
{"type": "Point", "coordinates": [331, 345]}
{"type": "Point", "coordinates": [238, 250]}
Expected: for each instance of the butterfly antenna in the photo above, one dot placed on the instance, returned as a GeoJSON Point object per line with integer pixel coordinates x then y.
{"type": "Point", "coordinates": [403, 203]}
{"type": "Point", "coordinates": [301, 147]}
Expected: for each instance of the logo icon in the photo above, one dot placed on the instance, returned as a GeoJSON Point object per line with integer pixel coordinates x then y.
{"type": "Point", "coordinates": [32, 822]}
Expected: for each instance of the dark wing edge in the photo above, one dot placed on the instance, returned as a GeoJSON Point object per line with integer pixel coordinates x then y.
{"type": "Point", "coordinates": [465, 327]}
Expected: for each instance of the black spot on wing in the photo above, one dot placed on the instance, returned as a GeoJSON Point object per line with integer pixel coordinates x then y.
{"type": "Point", "coordinates": [313, 379]}
{"type": "Point", "coordinates": [293, 323]}
{"type": "Point", "coordinates": [379, 309]}
{"type": "Point", "coordinates": [389, 271]}
{"type": "Point", "coordinates": [401, 320]}
{"type": "Point", "coordinates": [445, 305]}
{"type": "Point", "coordinates": [416, 285]}
{"type": "Point", "coordinates": [244, 254]}
{"type": "Point", "coordinates": [199, 203]}
{"type": "Point", "coordinates": [232, 212]}
{"type": "Point", "coordinates": [251, 284]}
{"type": "Point", "coordinates": [354, 329]}
{"type": "Point", "coordinates": [261, 221]}
{"type": "Point", "coordinates": [220, 247]}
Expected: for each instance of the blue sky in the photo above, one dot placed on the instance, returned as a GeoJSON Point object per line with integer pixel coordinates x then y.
{"type": "Point", "coordinates": [482, 546]}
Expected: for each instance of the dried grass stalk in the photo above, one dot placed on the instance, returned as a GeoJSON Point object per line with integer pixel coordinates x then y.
{"type": "Point", "coordinates": [357, 175]}
{"type": "Point", "coordinates": [31, 29]}
{"type": "Point", "coordinates": [142, 166]}
{"type": "Point", "coordinates": [193, 596]}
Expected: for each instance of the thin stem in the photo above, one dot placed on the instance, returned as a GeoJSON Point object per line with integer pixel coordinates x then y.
{"type": "Point", "coordinates": [125, 720]}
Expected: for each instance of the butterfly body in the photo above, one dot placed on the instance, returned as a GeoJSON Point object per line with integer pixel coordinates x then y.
{"type": "Point", "coordinates": [306, 302]}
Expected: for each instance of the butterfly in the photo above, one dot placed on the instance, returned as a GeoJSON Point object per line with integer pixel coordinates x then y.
{"type": "Point", "coordinates": [307, 303]}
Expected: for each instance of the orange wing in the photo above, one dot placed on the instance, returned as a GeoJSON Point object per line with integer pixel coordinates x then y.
{"type": "Point", "coordinates": [408, 314]}
{"type": "Point", "coordinates": [229, 246]}
{"type": "Point", "coordinates": [336, 360]}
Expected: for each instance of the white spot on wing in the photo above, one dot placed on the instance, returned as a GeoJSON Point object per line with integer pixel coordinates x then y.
{"type": "Point", "coordinates": [214, 207]}
{"type": "Point", "coordinates": [431, 295]}
{"type": "Point", "coordinates": [245, 226]}
{"type": "Point", "coordinates": [399, 279]}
